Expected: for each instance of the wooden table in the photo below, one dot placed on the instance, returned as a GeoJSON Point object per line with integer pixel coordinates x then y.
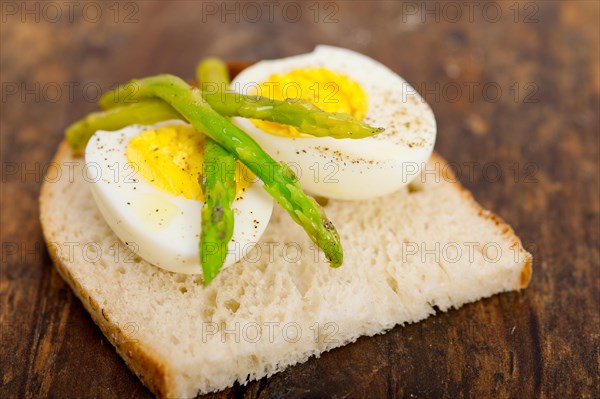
{"type": "Point", "coordinates": [515, 90]}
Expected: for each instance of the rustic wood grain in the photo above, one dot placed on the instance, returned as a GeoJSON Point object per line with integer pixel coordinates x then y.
{"type": "Point", "coordinates": [542, 342]}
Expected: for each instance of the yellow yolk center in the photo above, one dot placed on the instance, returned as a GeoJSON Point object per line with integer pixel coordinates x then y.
{"type": "Point", "coordinates": [171, 159]}
{"type": "Point", "coordinates": [328, 90]}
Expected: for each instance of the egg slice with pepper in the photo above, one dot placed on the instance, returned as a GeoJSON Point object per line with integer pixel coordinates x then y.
{"type": "Point", "coordinates": [145, 181]}
{"type": "Point", "coordinates": [341, 80]}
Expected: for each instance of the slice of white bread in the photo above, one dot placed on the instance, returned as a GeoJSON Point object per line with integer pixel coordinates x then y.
{"type": "Point", "coordinates": [427, 245]}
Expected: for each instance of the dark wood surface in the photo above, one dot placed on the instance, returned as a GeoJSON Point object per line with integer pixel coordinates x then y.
{"type": "Point", "coordinates": [541, 133]}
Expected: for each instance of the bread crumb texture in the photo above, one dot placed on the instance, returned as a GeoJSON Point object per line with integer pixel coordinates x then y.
{"type": "Point", "coordinates": [424, 247]}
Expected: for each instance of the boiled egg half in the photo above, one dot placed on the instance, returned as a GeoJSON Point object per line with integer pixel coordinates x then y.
{"type": "Point", "coordinates": [341, 80]}
{"type": "Point", "coordinates": [145, 181]}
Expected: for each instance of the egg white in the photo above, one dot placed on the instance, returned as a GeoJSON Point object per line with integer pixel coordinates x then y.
{"type": "Point", "coordinates": [161, 228]}
{"type": "Point", "coordinates": [351, 168]}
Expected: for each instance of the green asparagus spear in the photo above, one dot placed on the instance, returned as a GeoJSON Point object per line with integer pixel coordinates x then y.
{"type": "Point", "coordinates": [301, 114]}
{"type": "Point", "coordinates": [218, 186]}
{"type": "Point", "coordinates": [212, 75]}
{"type": "Point", "coordinates": [279, 180]}
{"type": "Point", "coordinates": [146, 112]}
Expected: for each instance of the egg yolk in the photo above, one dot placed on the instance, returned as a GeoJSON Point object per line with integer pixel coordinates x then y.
{"type": "Point", "coordinates": [328, 90]}
{"type": "Point", "coordinates": [171, 159]}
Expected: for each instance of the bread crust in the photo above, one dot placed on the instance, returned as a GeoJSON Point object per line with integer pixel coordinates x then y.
{"type": "Point", "coordinates": [153, 371]}
{"type": "Point", "coordinates": [507, 230]}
